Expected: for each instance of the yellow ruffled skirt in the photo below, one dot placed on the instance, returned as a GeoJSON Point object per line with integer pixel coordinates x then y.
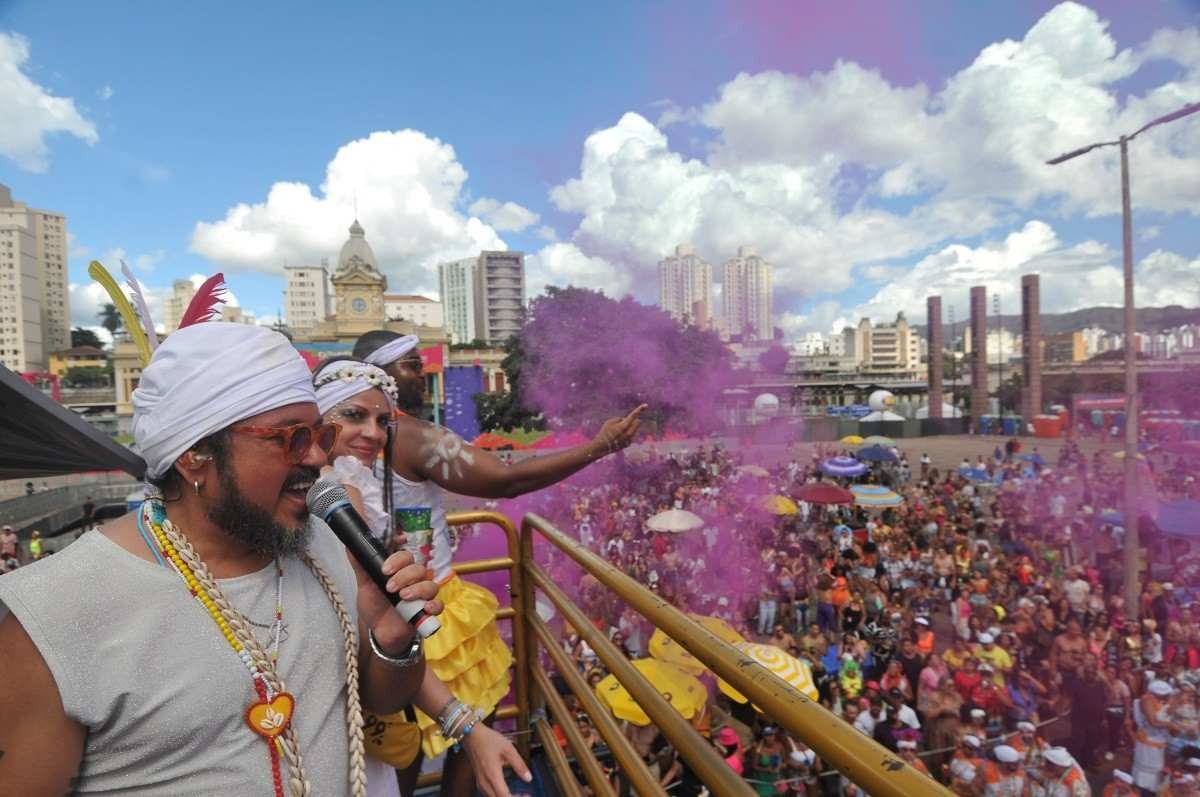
{"type": "Point", "coordinates": [467, 655]}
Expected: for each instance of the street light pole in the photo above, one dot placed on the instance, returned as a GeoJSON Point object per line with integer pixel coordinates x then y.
{"type": "Point", "coordinates": [1133, 592]}
{"type": "Point", "coordinates": [1132, 545]}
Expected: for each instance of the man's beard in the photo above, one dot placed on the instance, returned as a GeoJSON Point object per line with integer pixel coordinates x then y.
{"type": "Point", "coordinates": [254, 526]}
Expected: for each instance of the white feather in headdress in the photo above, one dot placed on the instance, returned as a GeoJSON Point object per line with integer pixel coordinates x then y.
{"type": "Point", "coordinates": [139, 301]}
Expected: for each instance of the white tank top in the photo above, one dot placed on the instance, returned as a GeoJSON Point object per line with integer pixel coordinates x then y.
{"type": "Point", "coordinates": [142, 666]}
{"type": "Point", "coordinates": [426, 494]}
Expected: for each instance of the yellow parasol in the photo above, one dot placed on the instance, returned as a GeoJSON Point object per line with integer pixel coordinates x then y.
{"type": "Point", "coordinates": [779, 505]}
{"type": "Point", "coordinates": [784, 666]}
{"type": "Point", "coordinates": [851, 440]}
{"type": "Point", "coordinates": [685, 693]}
{"type": "Point", "coordinates": [665, 649]}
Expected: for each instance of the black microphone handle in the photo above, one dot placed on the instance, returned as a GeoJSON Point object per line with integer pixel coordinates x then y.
{"type": "Point", "coordinates": [353, 532]}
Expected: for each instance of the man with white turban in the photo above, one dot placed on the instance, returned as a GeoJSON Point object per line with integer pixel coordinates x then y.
{"type": "Point", "coordinates": [1152, 733]}
{"type": "Point", "coordinates": [1062, 776]}
{"type": "Point", "coordinates": [425, 460]}
{"type": "Point", "coordinates": [215, 641]}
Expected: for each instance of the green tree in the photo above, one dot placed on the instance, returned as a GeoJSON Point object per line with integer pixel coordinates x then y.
{"type": "Point", "coordinates": [81, 336]}
{"type": "Point", "coordinates": [88, 376]}
{"type": "Point", "coordinates": [505, 411]}
{"type": "Point", "coordinates": [1009, 393]}
{"type": "Point", "coordinates": [110, 319]}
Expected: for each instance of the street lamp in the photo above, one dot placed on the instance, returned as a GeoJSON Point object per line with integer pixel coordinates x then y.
{"type": "Point", "coordinates": [999, 355]}
{"type": "Point", "coordinates": [1132, 590]}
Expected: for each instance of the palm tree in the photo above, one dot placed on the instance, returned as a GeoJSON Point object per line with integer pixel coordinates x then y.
{"type": "Point", "coordinates": [110, 319]}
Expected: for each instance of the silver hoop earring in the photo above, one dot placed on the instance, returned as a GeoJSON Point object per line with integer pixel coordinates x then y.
{"type": "Point", "coordinates": [196, 487]}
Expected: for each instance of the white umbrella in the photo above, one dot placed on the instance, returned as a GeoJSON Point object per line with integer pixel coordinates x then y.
{"type": "Point", "coordinates": [675, 521]}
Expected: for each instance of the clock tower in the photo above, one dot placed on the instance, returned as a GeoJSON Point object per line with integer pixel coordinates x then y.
{"type": "Point", "coordinates": [358, 287]}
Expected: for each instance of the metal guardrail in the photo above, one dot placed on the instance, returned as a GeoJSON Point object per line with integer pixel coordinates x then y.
{"type": "Point", "coordinates": [860, 759]}
{"type": "Point", "coordinates": [868, 764]}
{"type": "Point", "coordinates": [57, 508]}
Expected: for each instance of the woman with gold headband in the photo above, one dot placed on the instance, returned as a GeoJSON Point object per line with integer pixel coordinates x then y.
{"type": "Point", "coordinates": [468, 654]}
{"type": "Point", "coordinates": [360, 399]}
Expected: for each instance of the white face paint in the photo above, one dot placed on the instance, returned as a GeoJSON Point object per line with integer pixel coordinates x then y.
{"type": "Point", "coordinates": [445, 448]}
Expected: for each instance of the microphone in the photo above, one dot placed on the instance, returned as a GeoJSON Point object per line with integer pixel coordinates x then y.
{"type": "Point", "coordinates": [328, 500]}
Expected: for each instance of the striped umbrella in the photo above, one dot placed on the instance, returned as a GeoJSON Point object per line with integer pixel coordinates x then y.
{"type": "Point", "coordinates": [879, 440]}
{"type": "Point", "coordinates": [782, 665]}
{"type": "Point", "coordinates": [874, 495]}
{"type": "Point", "coordinates": [663, 648]}
{"type": "Point", "coordinates": [843, 467]}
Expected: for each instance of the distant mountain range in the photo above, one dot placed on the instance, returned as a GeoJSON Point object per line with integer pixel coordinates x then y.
{"type": "Point", "coordinates": [1149, 319]}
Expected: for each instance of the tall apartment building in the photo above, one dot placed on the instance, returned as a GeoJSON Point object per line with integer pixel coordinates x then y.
{"type": "Point", "coordinates": [35, 312]}
{"type": "Point", "coordinates": [305, 296]}
{"type": "Point", "coordinates": [456, 286]}
{"type": "Point", "coordinates": [419, 309]}
{"type": "Point", "coordinates": [499, 296]}
{"type": "Point", "coordinates": [177, 303]}
{"type": "Point", "coordinates": [746, 295]}
{"type": "Point", "coordinates": [685, 286]}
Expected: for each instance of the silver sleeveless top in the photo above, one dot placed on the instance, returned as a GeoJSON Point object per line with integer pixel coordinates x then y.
{"type": "Point", "coordinates": [142, 666]}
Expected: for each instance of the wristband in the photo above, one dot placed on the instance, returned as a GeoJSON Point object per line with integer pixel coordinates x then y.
{"type": "Point", "coordinates": [415, 654]}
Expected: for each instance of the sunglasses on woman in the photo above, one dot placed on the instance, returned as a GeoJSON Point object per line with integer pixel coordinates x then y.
{"type": "Point", "coordinates": [297, 438]}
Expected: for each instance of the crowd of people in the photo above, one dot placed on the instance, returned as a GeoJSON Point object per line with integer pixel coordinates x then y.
{"type": "Point", "coordinates": [977, 629]}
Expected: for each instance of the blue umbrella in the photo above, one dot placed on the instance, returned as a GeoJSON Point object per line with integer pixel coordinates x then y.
{"type": "Point", "coordinates": [1179, 518]}
{"type": "Point", "coordinates": [843, 467]}
{"type": "Point", "coordinates": [1036, 459]}
{"type": "Point", "coordinates": [974, 474]}
{"type": "Point", "coordinates": [876, 454]}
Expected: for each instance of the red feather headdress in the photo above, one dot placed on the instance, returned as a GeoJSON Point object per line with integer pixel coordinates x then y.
{"type": "Point", "coordinates": [203, 306]}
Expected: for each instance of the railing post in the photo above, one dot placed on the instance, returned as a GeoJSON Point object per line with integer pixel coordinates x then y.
{"type": "Point", "coordinates": [524, 644]}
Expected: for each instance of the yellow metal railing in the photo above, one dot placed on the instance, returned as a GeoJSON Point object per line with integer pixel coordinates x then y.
{"type": "Point", "coordinates": [866, 763]}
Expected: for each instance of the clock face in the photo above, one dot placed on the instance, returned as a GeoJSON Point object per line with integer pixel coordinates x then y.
{"type": "Point", "coordinates": [359, 305]}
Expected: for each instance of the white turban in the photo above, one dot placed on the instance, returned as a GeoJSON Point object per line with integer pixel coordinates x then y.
{"type": "Point", "coordinates": [1160, 688]}
{"type": "Point", "coordinates": [343, 379]}
{"type": "Point", "coordinates": [393, 350]}
{"type": "Point", "coordinates": [208, 376]}
{"type": "Point", "coordinates": [1059, 757]}
{"type": "Point", "coordinates": [1006, 755]}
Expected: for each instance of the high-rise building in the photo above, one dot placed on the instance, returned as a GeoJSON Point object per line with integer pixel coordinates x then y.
{"type": "Point", "coordinates": [894, 347]}
{"type": "Point", "coordinates": [499, 296]}
{"type": "Point", "coordinates": [177, 303]}
{"type": "Point", "coordinates": [456, 284]}
{"type": "Point", "coordinates": [685, 286]}
{"type": "Point", "coordinates": [35, 311]}
{"type": "Point", "coordinates": [305, 297]}
{"type": "Point", "coordinates": [409, 307]}
{"type": "Point", "coordinates": [746, 295]}
{"type": "Point", "coordinates": [232, 314]}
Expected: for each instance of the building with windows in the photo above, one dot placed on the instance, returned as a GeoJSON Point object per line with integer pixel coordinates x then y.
{"type": "Point", "coordinates": [418, 309]}
{"type": "Point", "coordinates": [60, 362]}
{"type": "Point", "coordinates": [35, 307]}
{"type": "Point", "coordinates": [175, 305]}
{"type": "Point", "coordinates": [746, 295]}
{"type": "Point", "coordinates": [891, 348]}
{"type": "Point", "coordinates": [685, 286]}
{"type": "Point", "coordinates": [499, 296]}
{"type": "Point", "coordinates": [456, 288]}
{"type": "Point", "coordinates": [306, 296]}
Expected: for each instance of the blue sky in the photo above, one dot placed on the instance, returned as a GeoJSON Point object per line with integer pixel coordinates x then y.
{"type": "Point", "coordinates": [845, 151]}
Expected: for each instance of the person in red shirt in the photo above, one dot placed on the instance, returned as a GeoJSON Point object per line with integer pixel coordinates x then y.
{"type": "Point", "coordinates": [966, 679]}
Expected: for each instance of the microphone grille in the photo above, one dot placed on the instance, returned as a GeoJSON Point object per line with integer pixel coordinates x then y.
{"type": "Point", "coordinates": [324, 495]}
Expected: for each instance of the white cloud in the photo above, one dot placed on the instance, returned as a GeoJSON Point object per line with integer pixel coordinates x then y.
{"type": "Point", "coordinates": [76, 250]}
{"type": "Point", "coordinates": [1072, 277]}
{"type": "Point", "coordinates": [807, 168]}
{"type": "Point", "coordinates": [1149, 233]}
{"type": "Point", "coordinates": [31, 113]}
{"type": "Point", "coordinates": [105, 92]}
{"type": "Point", "coordinates": [546, 233]}
{"type": "Point", "coordinates": [504, 216]}
{"type": "Point", "coordinates": [562, 264]}
{"type": "Point", "coordinates": [408, 188]}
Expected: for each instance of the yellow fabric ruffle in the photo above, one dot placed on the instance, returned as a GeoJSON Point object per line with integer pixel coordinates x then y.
{"type": "Point", "coordinates": [467, 655]}
{"type": "Point", "coordinates": [391, 739]}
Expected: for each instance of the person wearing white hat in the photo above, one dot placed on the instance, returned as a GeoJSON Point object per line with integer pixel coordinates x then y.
{"type": "Point", "coordinates": [1029, 746]}
{"type": "Point", "coordinates": [963, 778]}
{"type": "Point", "coordinates": [360, 399]}
{"type": "Point", "coordinates": [1152, 734]}
{"type": "Point", "coordinates": [990, 653]}
{"type": "Point", "coordinates": [1121, 785]}
{"type": "Point", "coordinates": [141, 669]}
{"type": "Point", "coordinates": [1062, 777]}
{"type": "Point", "coordinates": [968, 754]}
{"type": "Point", "coordinates": [1003, 777]}
{"type": "Point", "coordinates": [907, 749]}
{"type": "Point", "coordinates": [426, 460]}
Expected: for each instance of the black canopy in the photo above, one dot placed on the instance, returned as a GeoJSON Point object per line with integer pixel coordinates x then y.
{"type": "Point", "coordinates": [40, 437]}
